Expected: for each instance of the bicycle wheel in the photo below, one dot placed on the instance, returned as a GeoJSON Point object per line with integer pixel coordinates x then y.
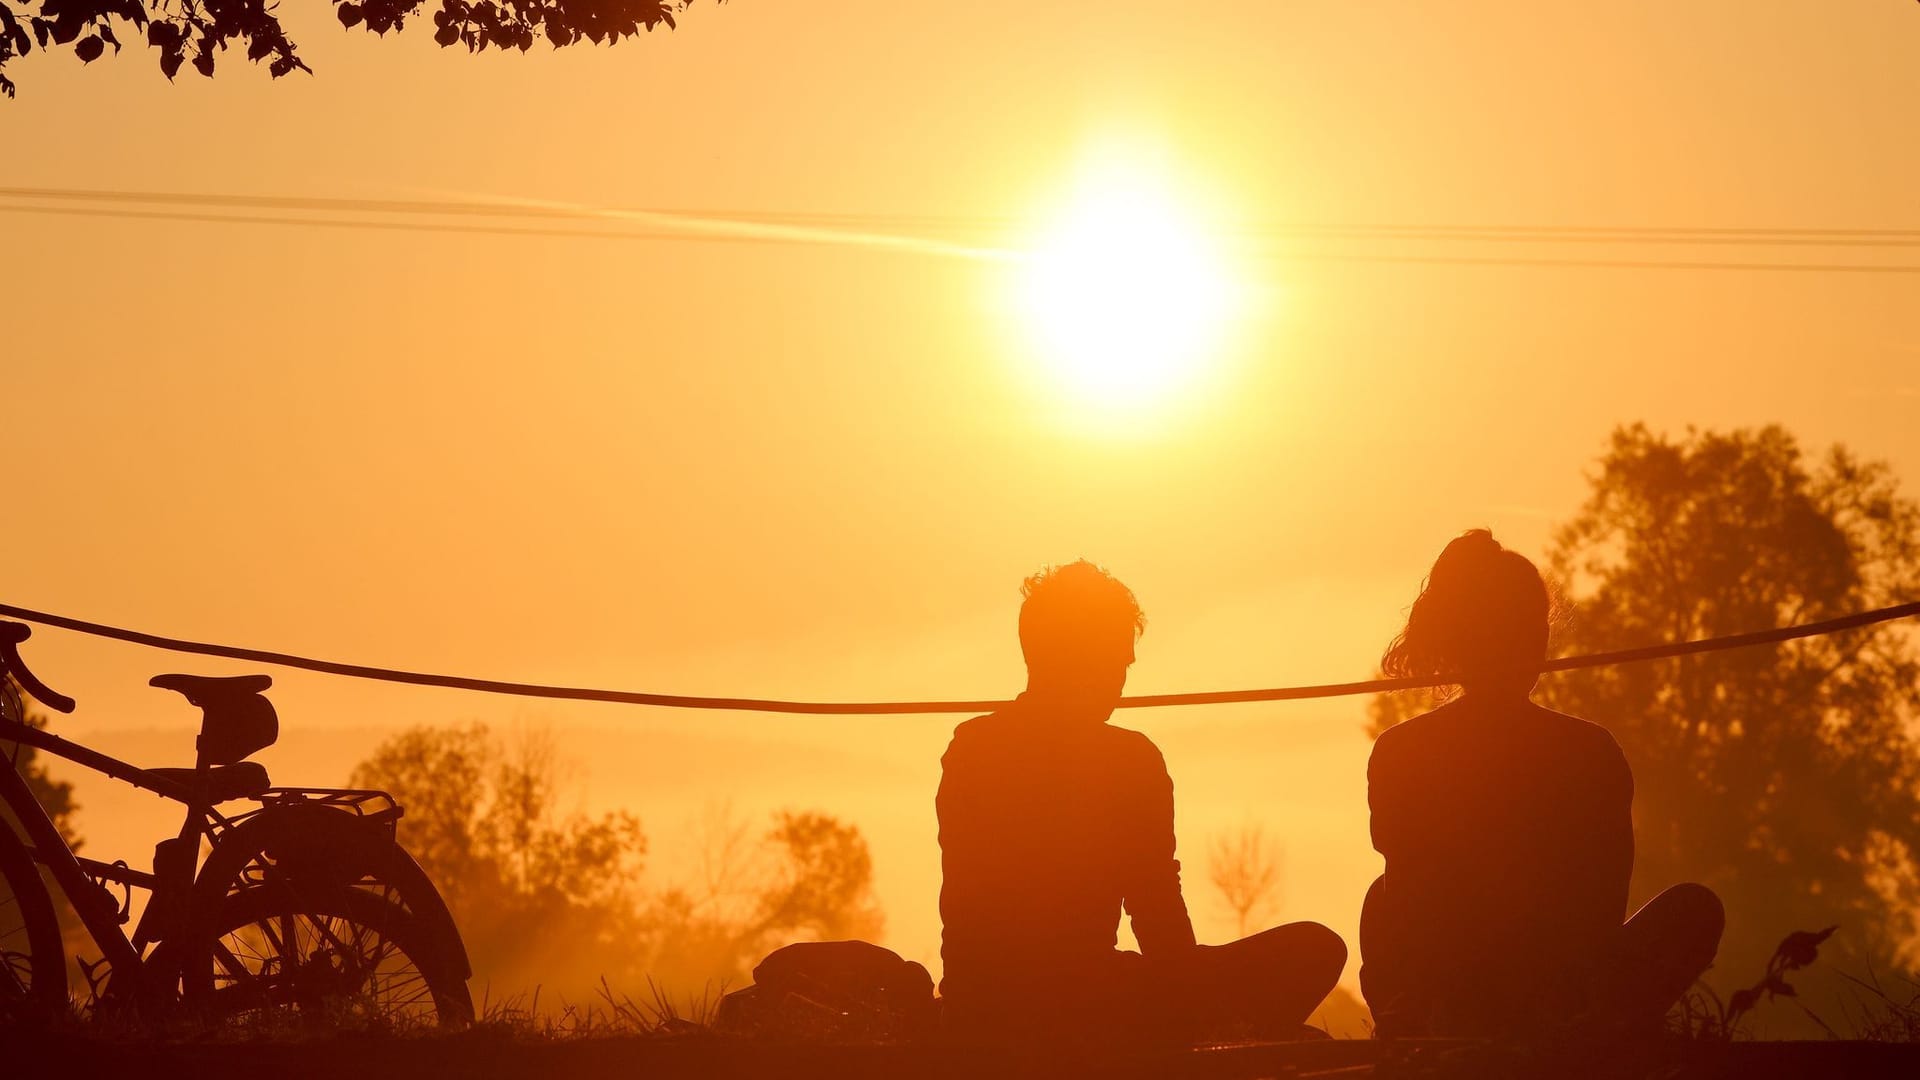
{"type": "Point", "coordinates": [345, 957]}
{"type": "Point", "coordinates": [33, 963]}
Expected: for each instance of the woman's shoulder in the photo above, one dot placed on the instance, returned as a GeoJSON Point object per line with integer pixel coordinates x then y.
{"type": "Point", "coordinates": [1407, 735]}
{"type": "Point", "coordinates": [1593, 745]}
{"type": "Point", "coordinates": [1578, 728]}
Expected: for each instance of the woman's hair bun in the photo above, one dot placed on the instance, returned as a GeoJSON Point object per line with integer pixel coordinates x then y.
{"type": "Point", "coordinates": [1483, 609]}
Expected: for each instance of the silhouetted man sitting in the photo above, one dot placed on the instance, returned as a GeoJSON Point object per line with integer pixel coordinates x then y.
{"type": "Point", "coordinates": [1508, 835]}
{"type": "Point", "coordinates": [1051, 822]}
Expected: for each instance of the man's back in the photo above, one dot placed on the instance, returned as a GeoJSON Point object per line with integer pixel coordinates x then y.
{"type": "Point", "coordinates": [1048, 826]}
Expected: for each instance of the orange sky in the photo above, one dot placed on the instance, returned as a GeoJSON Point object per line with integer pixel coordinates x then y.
{"type": "Point", "coordinates": [815, 471]}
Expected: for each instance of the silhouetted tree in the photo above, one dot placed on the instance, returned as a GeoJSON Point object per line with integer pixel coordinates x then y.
{"type": "Point", "coordinates": [534, 891]}
{"type": "Point", "coordinates": [823, 886]}
{"type": "Point", "coordinates": [1245, 869]}
{"type": "Point", "coordinates": [810, 877]}
{"type": "Point", "coordinates": [552, 900]}
{"type": "Point", "coordinates": [1787, 778]}
{"type": "Point", "coordinates": [197, 31]}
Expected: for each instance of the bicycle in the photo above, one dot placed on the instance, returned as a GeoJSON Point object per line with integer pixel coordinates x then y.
{"type": "Point", "coordinates": [304, 905]}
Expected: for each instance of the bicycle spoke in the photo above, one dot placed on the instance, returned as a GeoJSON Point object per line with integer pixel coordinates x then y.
{"type": "Point", "coordinates": [226, 959]}
{"type": "Point", "coordinates": [303, 959]}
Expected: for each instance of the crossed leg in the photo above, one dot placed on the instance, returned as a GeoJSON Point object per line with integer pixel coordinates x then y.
{"type": "Point", "coordinates": [1263, 986]}
{"type": "Point", "coordinates": [1663, 948]}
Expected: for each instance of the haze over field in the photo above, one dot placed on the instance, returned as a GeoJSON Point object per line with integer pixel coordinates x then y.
{"type": "Point", "coordinates": [821, 470]}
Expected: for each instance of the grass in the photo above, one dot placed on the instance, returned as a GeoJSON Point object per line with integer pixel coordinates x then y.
{"type": "Point", "coordinates": [655, 1035]}
{"type": "Point", "coordinates": [613, 1015]}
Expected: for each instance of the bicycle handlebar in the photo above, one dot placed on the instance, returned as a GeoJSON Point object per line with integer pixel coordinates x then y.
{"type": "Point", "coordinates": [11, 635]}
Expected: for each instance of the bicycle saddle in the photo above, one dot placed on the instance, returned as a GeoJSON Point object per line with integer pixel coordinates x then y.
{"type": "Point", "coordinates": [201, 688]}
{"type": "Point", "coordinates": [235, 721]}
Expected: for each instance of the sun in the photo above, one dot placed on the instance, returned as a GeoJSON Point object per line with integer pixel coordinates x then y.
{"type": "Point", "coordinates": [1126, 295]}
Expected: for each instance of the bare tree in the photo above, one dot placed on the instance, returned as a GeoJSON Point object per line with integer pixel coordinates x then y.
{"type": "Point", "coordinates": [1245, 867]}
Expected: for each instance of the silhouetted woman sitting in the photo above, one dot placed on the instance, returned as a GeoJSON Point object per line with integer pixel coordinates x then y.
{"type": "Point", "coordinates": [1508, 836]}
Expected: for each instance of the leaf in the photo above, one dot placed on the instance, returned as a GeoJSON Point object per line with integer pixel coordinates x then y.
{"type": "Point", "coordinates": [349, 15]}
{"type": "Point", "coordinates": [1803, 947]}
{"type": "Point", "coordinates": [258, 48]}
{"type": "Point", "coordinates": [447, 35]}
{"type": "Point", "coordinates": [162, 35]}
{"type": "Point", "coordinates": [89, 49]}
{"type": "Point", "coordinates": [203, 63]}
{"type": "Point", "coordinates": [42, 31]}
{"type": "Point", "coordinates": [170, 63]}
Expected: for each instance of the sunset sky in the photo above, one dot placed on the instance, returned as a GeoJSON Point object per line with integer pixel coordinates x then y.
{"type": "Point", "coordinates": [820, 470]}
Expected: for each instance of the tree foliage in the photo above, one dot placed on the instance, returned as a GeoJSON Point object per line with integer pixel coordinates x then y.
{"type": "Point", "coordinates": [1786, 778]}
{"type": "Point", "coordinates": [197, 32]}
{"type": "Point", "coordinates": [552, 899]}
{"type": "Point", "coordinates": [524, 880]}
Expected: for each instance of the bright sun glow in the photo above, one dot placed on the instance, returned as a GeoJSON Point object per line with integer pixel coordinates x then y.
{"type": "Point", "coordinates": [1127, 296]}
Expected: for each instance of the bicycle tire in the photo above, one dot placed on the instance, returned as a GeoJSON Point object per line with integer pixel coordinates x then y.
{"type": "Point", "coordinates": [33, 961]}
{"type": "Point", "coordinates": [244, 966]}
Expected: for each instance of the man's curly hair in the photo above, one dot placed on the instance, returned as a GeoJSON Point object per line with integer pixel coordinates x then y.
{"type": "Point", "coordinates": [1063, 602]}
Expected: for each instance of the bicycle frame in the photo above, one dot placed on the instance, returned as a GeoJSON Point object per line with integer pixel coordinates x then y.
{"type": "Point", "coordinates": [82, 880]}
{"type": "Point", "coordinates": [50, 848]}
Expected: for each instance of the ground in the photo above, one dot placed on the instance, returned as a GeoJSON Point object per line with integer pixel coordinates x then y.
{"type": "Point", "coordinates": [481, 1054]}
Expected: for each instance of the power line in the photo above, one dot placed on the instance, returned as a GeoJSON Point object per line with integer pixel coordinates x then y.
{"type": "Point", "coordinates": [378, 226]}
{"type": "Point", "coordinates": [898, 708]}
{"type": "Point", "coordinates": [1343, 230]}
{"type": "Point", "coordinates": [1616, 264]}
{"type": "Point", "coordinates": [924, 245]}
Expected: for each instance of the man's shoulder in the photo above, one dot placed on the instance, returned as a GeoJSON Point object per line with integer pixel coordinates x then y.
{"type": "Point", "coordinates": [1128, 739]}
{"type": "Point", "coordinates": [1130, 751]}
{"type": "Point", "coordinates": [1006, 727]}
{"type": "Point", "coordinates": [983, 726]}
{"type": "Point", "coordinates": [978, 732]}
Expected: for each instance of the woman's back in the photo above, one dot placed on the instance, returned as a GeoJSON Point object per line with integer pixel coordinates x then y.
{"type": "Point", "coordinates": [1508, 838]}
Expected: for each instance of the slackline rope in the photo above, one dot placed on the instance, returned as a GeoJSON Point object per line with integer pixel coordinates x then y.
{"type": "Point", "coordinates": [849, 708]}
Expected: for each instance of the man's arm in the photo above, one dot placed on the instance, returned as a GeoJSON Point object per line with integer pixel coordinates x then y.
{"type": "Point", "coordinates": [1153, 900]}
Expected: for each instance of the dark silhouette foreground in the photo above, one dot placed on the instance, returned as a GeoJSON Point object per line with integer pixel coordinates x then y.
{"type": "Point", "coordinates": [1508, 835]}
{"type": "Point", "coordinates": [1052, 822]}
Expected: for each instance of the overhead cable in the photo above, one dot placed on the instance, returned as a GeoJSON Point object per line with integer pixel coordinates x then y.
{"type": "Point", "coordinates": [896, 708]}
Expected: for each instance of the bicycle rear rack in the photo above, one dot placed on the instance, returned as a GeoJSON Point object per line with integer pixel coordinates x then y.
{"type": "Point", "coordinates": [376, 806]}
